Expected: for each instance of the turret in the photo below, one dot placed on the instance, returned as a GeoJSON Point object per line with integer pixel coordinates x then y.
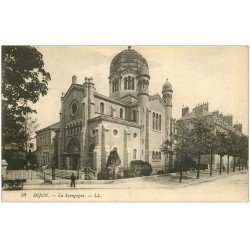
{"type": "Point", "coordinates": [89, 100]}
{"type": "Point", "coordinates": [74, 79]}
{"type": "Point", "coordinates": [167, 93]}
{"type": "Point", "coordinates": [143, 84]}
{"type": "Point", "coordinates": [167, 98]}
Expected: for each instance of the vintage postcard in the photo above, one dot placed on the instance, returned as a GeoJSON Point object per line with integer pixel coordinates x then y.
{"type": "Point", "coordinates": [124, 123]}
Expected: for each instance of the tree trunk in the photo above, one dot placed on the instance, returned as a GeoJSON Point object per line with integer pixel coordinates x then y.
{"type": "Point", "coordinates": [227, 163]}
{"type": "Point", "coordinates": [181, 172]}
{"type": "Point", "coordinates": [211, 165]}
{"type": "Point", "coordinates": [198, 170]}
{"type": "Point", "coordinates": [166, 163]}
{"type": "Point", "coordinates": [240, 164]}
{"type": "Point", "coordinates": [234, 165]}
{"type": "Point", "coordinates": [220, 163]}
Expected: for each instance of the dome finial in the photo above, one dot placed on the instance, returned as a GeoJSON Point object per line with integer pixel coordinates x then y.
{"type": "Point", "coordinates": [167, 86]}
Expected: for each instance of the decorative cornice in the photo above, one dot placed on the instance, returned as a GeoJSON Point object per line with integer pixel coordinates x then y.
{"type": "Point", "coordinates": [71, 88]}
{"type": "Point", "coordinates": [114, 120]}
{"type": "Point", "coordinates": [123, 72]}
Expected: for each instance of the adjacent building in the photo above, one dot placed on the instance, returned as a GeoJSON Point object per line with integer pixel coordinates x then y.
{"type": "Point", "coordinates": [44, 144]}
{"type": "Point", "coordinates": [221, 122]}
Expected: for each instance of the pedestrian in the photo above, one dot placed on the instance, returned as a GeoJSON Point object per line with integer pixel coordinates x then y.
{"type": "Point", "coordinates": [73, 180]}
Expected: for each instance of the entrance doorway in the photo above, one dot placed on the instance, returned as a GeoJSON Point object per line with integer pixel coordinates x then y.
{"type": "Point", "coordinates": [75, 161]}
{"type": "Point", "coordinates": [73, 154]}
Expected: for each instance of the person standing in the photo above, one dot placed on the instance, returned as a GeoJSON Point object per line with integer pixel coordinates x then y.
{"type": "Point", "coordinates": [73, 180]}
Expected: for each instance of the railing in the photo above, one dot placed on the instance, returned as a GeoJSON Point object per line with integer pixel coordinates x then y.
{"type": "Point", "coordinates": [86, 174]}
{"type": "Point", "coordinates": [22, 174]}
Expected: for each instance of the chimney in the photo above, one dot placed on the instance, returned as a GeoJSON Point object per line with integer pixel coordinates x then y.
{"type": "Point", "coordinates": [74, 79]}
{"type": "Point", "coordinates": [228, 119]}
{"type": "Point", "coordinates": [185, 110]}
{"type": "Point", "coordinates": [238, 127]}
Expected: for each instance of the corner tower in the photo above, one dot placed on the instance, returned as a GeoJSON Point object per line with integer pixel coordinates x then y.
{"type": "Point", "coordinates": [143, 110]}
{"type": "Point", "coordinates": [167, 93]}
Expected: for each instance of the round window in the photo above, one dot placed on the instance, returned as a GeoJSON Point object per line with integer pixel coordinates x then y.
{"type": "Point", "coordinates": [134, 135]}
{"type": "Point", "coordinates": [92, 132]}
{"type": "Point", "coordinates": [115, 131]}
{"type": "Point", "coordinates": [73, 109]}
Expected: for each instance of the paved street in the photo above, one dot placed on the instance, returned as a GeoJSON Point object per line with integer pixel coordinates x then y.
{"type": "Point", "coordinates": [225, 187]}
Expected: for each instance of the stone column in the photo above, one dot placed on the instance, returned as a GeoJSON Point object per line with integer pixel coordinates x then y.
{"type": "Point", "coordinates": [61, 145]}
{"type": "Point", "coordinates": [125, 149]}
{"type": "Point", "coordinates": [105, 145]}
{"type": "Point", "coordinates": [97, 151]}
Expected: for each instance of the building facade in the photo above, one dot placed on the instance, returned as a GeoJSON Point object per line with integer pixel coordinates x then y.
{"type": "Point", "coordinates": [221, 122]}
{"type": "Point", "coordinates": [44, 144]}
{"type": "Point", "coordinates": [129, 120]}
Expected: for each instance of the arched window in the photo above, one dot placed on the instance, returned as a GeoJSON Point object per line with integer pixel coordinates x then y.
{"type": "Point", "coordinates": [153, 120]}
{"type": "Point", "coordinates": [159, 155]}
{"type": "Point", "coordinates": [125, 83]}
{"type": "Point", "coordinates": [134, 153]}
{"type": "Point", "coordinates": [157, 122]}
{"type": "Point", "coordinates": [115, 85]}
{"type": "Point", "coordinates": [156, 155]}
{"type": "Point", "coordinates": [139, 84]}
{"type": "Point", "coordinates": [77, 128]}
{"type": "Point", "coordinates": [121, 113]}
{"type": "Point", "coordinates": [129, 82]}
{"type": "Point", "coordinates": [133, 83]}
{"type": "Point", "coordinates": [134, 115]}
{"type": "Point", "coordinates": [102, 108]}
{"type": "Point", "coordinates": [160, 122]}
{"type": "Point", "coordinates": [153, 155]}
{"type": "Point", "coordinates": [112, 112]}
{"type": "Point", "coordinates": [71, 132]}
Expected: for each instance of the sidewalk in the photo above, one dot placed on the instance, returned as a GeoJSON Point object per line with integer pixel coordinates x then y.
{"type": "Point", "coordinates": [147, 182]}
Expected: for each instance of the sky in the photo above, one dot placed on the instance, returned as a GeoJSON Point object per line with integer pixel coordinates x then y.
{"type": "Point", "coordinates": [214, 74]}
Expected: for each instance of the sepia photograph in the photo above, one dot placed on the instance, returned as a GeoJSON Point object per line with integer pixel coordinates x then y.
{"type": "Point", "coordinates": [124, 123]}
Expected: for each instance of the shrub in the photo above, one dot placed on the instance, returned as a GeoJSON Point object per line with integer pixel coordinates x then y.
{"type": "Point", "coordinates": [113, 165]}
{"type": "Point", "coordinates": [127, 173]}
{"type": "Point", "coordinates": [160, 172]}
{"type": "Point", "coordinates": [103, 175]}
{"type": "Point", "coordinates": [140, 168]}
{"type": "Point", "coordinates": [120, 173]}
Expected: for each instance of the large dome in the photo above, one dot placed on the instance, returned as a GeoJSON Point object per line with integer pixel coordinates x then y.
{"type": "Point", "coordinates": [128, 59]}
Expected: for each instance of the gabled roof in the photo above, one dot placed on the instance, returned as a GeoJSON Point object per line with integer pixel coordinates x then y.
{"type": "Point", "coordinates": [50, 127]}
{"type": "Point", "coordinates": [71, 88]}
{"type": "Point", "coordinates": [157, 97]}
{"type": "Point", "coordinates": [109, 99]}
